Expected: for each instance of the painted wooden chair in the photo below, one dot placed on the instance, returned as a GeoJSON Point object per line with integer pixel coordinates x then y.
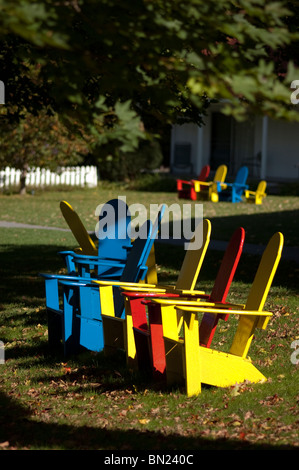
{"type": "Point", "coordinates": [192, 364]}
{"type": "Point", "coordinates": [114, 239]}
{"type": "Point", "coordinates": [205, 188]}
{"type": "Point", "coordinates": [135, 320]}
{"type": "Point", "coordinates": [159, 323]}
{"type": "Point", "coordinates": [83, 264]}
{"type": "Point", "coordinates": [186, 189]}
{"type": "Point", "coordinates": [233, 192]}
{"type": "Point", "coordinates": [257, 196]}
{"type": "Point", "coordinates": [80, 295]}
{"type": "Point", "coordinates": [76, 321]}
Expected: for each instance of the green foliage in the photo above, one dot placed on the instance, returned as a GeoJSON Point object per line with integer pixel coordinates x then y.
{"type": "Point", "coordinates": [38, 141]}
{"type": "Point", "coordinates": [126, 166]}
{"type": "Point", "coordinates": [124, 69]}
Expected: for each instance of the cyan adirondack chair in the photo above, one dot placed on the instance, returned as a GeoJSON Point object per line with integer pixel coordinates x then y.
{"type": "Point", "coordinates": [118, 243]}
{"type": "Point", "coordinates": [233, 192]}
{"type": "Point", "coordinates": [114, 240]}
{"type": "Point", "coordinates": [159, 316]}
{"type": "Point", "coordinates": [205, 188]}
{"type": "Point", "coordinates": [81, 295]}
{"type": "Point", "coordinates": [192, 364]}
{"type": "Point", "coordinates": [76, 321]}
{"type": "Point", "coordinates": [185, 188]}
{"type": "Point", "coordinates": [257, 196]}
{"type": "Point", "coordinates": [135, 311]}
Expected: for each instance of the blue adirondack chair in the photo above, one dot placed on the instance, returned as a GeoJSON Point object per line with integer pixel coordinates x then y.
{"type": "Point", "coordinates": [233, 191]}
{"type": "Point", "coordinates": [82, 325]}
{"type": "Point", "coordinates": [114, 243]}
{"type": "Point", "coordinates": [80, 297]}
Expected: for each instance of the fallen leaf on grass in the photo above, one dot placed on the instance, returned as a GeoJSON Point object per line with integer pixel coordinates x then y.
{"type": "Point", "coordinates": [4, 444]}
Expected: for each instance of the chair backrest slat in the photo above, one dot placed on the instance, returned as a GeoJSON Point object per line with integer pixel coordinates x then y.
{"type": "Point", "coordinates": [257, 296]}
{"type": "Point", "coordinates": [114, 230]}
{"type": "Point", "coordinates": [265, 273]}
{"type": "Point", "coordinates": [228, 266]}
{"type": "Point", "coordinates": [205, 171]}
{"type": "Point", "coordinates": [79, 231]}
{"type": "Point", "coordinates": [242, 175]}
{"type": "Point", "coordinates": [221, 286]}
{"type": "Point", "coordinates": [220, 174]}
{"type": "Point", "coordinates": [194, 258]}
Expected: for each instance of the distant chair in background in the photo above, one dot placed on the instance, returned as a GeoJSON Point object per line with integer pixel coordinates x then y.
{"type": "Point", "coordinates": [257, 196]}
{"type": "Point", "coordinates": [206, 188]}
{"type": "Point", "coordinates": [186, 188]}
{"type": "Point", "coordinates": [233, 192]}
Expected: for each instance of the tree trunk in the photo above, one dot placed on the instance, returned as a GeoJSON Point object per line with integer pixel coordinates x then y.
{"type": "Point", "coordinates": [23, 179]}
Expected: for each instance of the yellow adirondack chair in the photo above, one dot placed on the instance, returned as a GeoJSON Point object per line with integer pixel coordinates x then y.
{"type": "Point", "coordinates": [209, 188]}
{"type": "Point", "coordinates": [119, 333]}
{"type": "Point", "coordinates": [86, 244]}
{"type": "Point", "coordinates": [187, 361]}
{"type": "Point", "coordinates": [257, 196]}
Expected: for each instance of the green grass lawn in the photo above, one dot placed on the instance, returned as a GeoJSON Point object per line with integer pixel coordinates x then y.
{"type": "Point", "coordinates": [90, 402]}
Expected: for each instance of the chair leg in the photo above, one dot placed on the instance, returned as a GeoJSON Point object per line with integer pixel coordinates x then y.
{"type": "Point", "coordinates": [54, 329]}
{"type": "Point", "coordinates": [192, 354]}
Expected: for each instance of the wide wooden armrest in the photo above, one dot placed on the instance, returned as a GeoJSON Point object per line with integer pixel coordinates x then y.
{"type": "Point", "coordinates": [189, 292]}
{"type": "Point", "coordinates": [199, 302]}
{"type": "Point", "coordinates": [202, 183]}
{"type": "Point", "coordinates": [221, 186]}
{"type": "Point", "coordinates": [184, 302]}
{"type": "Point", "coordinates": [123, 284]}
{"type": "Point", "coordinates": [139, 288]}
{"type": "Point", "coordinates": [66, 277]}
{"type": "Point", "coordinates": [198, 308]}
{"type": "Point", "coordinates": [185, 182]}
{"type": "Point", "coordinates": [99, 262]}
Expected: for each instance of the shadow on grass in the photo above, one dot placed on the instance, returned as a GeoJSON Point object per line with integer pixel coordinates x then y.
{"type": "Point", "coordinates": [19, 269]}
{"type": "Point", "coordinates": [18, 424]}
{"type": "Point", "coordinates": [172, 257]}
{"type": "Point", "coordinates": [259, 227]}
{"type": "Point", "coordinates": [21, 430]}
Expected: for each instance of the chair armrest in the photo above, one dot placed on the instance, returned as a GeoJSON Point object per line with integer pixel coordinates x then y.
{"type": "Point", "coordinates": [122, 284]}
{"type": "Point", "coordinates": [197, 183]}
{"type": "Point", "coordinates": [198, 308]}
{"type": "Point", "coordinates": [138, 288]}
{"type": "Point", "coordinates": [190, 292]}
{"type": "Point", "coordinates": [185, 182]}
{"type": "Point", "coordinates": [99, 262]}
{"type": "Point", "coordinates": [183, 302]}
{"type": "Point", "coordinates": [68, 278]}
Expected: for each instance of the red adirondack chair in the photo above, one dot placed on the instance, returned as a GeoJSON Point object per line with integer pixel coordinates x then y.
{"type": "Point", "coordinates": [186, 188]}
{"type": "Point", "coordinates": [149, 336]}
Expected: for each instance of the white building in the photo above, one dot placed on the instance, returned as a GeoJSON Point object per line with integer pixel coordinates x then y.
{"type": "Point", "coordinates": [270, 148]}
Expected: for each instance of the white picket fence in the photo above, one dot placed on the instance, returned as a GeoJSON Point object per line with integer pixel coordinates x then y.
{"type": "Point", "coordinates": [74, 176]}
